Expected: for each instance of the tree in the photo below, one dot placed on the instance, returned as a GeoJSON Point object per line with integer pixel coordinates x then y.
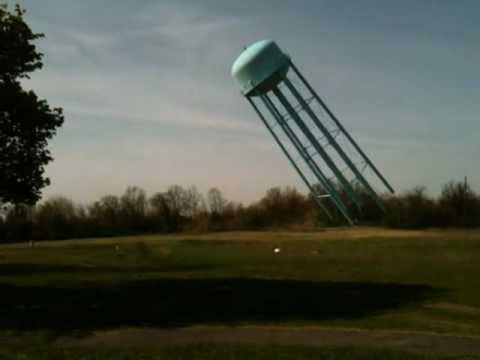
{"type": "Point", "coordinates": [412, 210]}
{"type": "Point", "coordinates": [133, 209]}
{"type": "Point", "coordinates": [216, 201]}
{"type": "Point", "coordinates": [171, 207]}
{"type": "Point", "coordinates": [458, 205]}
{"type": "Point", "coordinates": [134, 202]}
{"type": "Point", "coordinates": [216, 205]}
{"type": "Point", "coordinates": [56, 218]}
{"type": "Point", "coordinates": [194, 202]}
{"type": "Point", "coordinates": [159, 212]}
{"type": "Point", "coordinates": [26, 122]}
{"type": "Point", "coordinates": [106, 215]}
{"type": "Point", "coordinates": [285, 206]}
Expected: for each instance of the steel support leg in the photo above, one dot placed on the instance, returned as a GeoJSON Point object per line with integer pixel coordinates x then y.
{"type": "Point", "coordinates": [310, 187]}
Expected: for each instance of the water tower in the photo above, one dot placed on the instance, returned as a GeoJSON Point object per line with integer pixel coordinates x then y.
{"type": "Point", "coordinates": [324, 154]}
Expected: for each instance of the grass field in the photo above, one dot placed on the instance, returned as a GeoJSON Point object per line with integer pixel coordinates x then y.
{"type": "Point", "coordinates": [367, 288]}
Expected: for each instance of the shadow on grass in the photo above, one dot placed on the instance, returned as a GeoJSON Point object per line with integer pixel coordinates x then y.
{"type": "Point", "coordinates": [32, 269]}
{"type": "Point", "coordinates": [180, 302]}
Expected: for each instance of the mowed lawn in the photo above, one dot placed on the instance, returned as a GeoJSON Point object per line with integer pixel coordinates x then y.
{"type": "Point", "coordinates": [414, 281]}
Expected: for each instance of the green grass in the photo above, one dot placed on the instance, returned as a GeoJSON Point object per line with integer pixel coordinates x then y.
{"type": "Point", "coordinates": [415, 282]}
{"type": "Point", "coordinates": [217, 352]}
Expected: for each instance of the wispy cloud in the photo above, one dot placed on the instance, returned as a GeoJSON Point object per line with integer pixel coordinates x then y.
{"type": "Point", "coordinates": [149, 100]}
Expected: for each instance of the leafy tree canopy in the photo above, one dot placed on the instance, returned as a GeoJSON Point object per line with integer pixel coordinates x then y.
{"type": "Point", "coordinates": [26, 122]}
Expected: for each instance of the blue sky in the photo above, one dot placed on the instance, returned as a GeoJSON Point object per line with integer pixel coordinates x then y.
{"type": "Point", "coordinates": [148, 98]}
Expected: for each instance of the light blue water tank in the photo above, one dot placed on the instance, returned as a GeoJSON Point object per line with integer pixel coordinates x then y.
{"type": "Point", "coordinates": [260, 67]}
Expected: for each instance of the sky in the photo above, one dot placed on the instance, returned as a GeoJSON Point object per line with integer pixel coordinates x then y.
{"type": "Point", "coordinates": [149, 101]}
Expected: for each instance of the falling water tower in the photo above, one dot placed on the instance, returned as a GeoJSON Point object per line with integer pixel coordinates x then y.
{"type": "Point", "coordinates": [326, 157]}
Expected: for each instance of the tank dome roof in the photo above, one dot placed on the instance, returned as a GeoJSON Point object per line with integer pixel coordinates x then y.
{"type": "Point", "coordinates": [258, 63]}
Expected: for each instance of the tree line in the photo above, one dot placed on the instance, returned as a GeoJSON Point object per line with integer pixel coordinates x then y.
{"type": "Point", "coordinates": [180, 209]}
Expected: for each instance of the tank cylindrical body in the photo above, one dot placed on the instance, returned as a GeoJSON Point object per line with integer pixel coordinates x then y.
{"type": "Point", "coordinates": [260, 67]}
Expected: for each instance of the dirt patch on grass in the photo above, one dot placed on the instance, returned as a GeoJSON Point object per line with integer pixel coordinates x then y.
{"type": "Point", "coordinates": [423, 343]}
{"type": "Point", "coordinates": [456, 308]}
